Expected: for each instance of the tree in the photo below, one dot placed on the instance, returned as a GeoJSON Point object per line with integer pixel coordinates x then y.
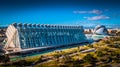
{"type": "Point", "coordinates": [78, 48]}
{"type": "Point", "coordinates": [4, 58]}
{"type": "Point", "coordinates": [100, 53]}
{"type": "Point", "coordinates": [90, 59]}
{"type": "Point", "coordinates": [90, 45]}
{"type": "Point", "coordinates": [118, 33]}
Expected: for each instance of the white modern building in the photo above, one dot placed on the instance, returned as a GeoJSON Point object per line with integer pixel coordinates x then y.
{"type": "Point", "coordinates": [100, 32]}
{"type": "Point", "coordinates": [22, 37]}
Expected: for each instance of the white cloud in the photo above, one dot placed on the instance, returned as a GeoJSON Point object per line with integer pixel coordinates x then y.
{"type": "Point", "coordinates": [97, 17]}
{"type": "Point", "coordinates": [95, 11]}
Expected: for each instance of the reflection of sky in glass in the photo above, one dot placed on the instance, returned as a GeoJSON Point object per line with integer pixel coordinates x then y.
{"type": "Point", "coordinates": [73, 12]}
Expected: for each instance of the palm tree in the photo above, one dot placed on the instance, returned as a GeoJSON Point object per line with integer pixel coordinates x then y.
{"type": "Point", "coordinates": [79, 48]}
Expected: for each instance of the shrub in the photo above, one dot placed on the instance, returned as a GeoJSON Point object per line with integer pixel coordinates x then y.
{"type": "Point", "coordinates": [4, 58]}
{"type": "Point", "coordinates": [90, 59]}
{"type": "Point", "coordinates": [91, 46]}
{"type": "Point", "coordinates": [100, 53]}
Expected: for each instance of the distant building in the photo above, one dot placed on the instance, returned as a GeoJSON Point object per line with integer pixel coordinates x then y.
{"type": "Point", "coordinates": [22, 37]}
{"type": "Point", "coordinates": [88, 31]}
{"type": "Point", "coordinates": [100, 32]}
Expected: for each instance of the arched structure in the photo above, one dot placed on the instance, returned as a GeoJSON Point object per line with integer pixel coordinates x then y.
{"type": "Point", "coordinates": [28, 36]}
{"type": "Point", "coordinates": [100, 30]}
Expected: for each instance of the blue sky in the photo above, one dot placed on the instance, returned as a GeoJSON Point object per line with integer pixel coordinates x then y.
{"type": "Point", "coordinates": [64, 12]}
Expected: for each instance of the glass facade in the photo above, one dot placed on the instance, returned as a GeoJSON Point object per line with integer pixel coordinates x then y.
{"type": "Point", "coordinates": [37, 35]}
